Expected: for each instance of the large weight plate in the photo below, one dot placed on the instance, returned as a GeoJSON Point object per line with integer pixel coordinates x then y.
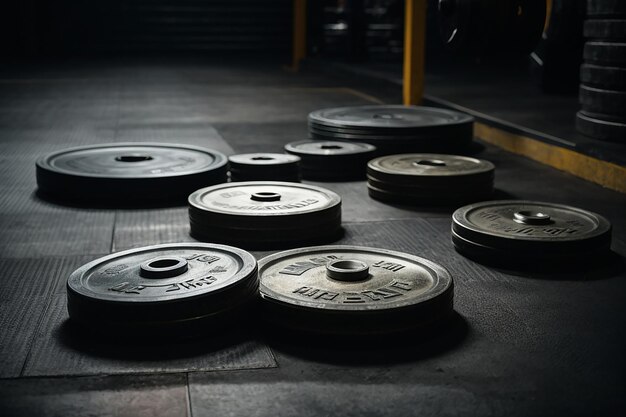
{"type": "Point", "coordinates": [162, 287]}
{"type": "Point", "coordinates": [609, 130]}
{"type": "Point", "coordinates": [252, 209]}
{"type": "Point", "coordinates": [388, 117]}
{"type": "Point", "coordinates": [605, 53]}
{"type": "Point", "coordinates": [607, 29]}
{"type": "Point", "coordinates": [531, 231]}
{"type": "Point", "coordinates": [609, 78]}
{"type": "Point", "coordinates": [608, 102]}
{"type": "Point", "coordinates": [129, 172]}
{"type": "Point", "coordinates": [351, 290]}
{"type": "Point", "coordinates": [426, 168]}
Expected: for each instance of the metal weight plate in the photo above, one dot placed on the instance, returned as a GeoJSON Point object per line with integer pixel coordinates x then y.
{"type": "Point", "coordinates": [529, 231]}
{"type": "Point", "coordinates": [171, 288]}
{"type": "Point", "coordinates": [389, 117]}
{"type": "Point", "coordinates": [610, 130]}
{"type": "Point", "coordinates": [606, 8]}
{"type": "Point", "coordinates": [264, 211]}
{"type": "Point", "coordinates": [608, 78]}
{"type": "Point", "coordinates": [426, 199]}
{"type": "Point", "coordinates": [605, 53]}
{"type": "Point", "coordinates": [427, 168]}
{"type": "Point", "coordinates": [264, 167]}
{"type": "Point", "coordinates": [351, 290]}
{"type": "Point", "coordinates": [609, 102]}
{"type": "Point", "coordinates": [607, 29]}
{"type": "Point", "coordinates": [129, 172]}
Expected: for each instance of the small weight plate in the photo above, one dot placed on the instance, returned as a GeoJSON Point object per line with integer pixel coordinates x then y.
{"type": "Point", "coordinates": [592, 126]}
{"type": "Point", "coordinates": [609, 78]}
{"type": "Point", "coordinates": [609, 102]}
{"type": "Point", "coordinates": [605, 53]}
{"type": "Point", "coordinates": [263, 161]}
{"type": "Point", "coordinates": [129, 172]}
{"type": "Point", "coordinates": [162, 287]}
{"type": "Point", "coordinates": [606, 8]}
{"type": "Point", "coordinates": [427, 168]}
{"type": "Point", "coordinates": [389, 117]}
{"type": "Point", "coordinates": [351, 290]}
{"type": "Point", "coordinates": [606, 29]}
{"type": "Point", "coordinates": [534, 229]}
{"type": "Point", "coordinates": [265, 207]}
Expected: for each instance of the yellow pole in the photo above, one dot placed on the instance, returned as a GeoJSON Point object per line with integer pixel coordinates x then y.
{"type": "Point", "coordinates": [548, 14]}
{"type": "Point", "coordinates": [414, 45]}
{"type": "Point", "coordinates": [299, 33]}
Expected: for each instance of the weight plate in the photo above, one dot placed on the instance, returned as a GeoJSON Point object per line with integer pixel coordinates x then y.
{"type": "Point", "coordinates": [606, 8]}
{"type": "Point", "coordinates": [426, 198]}
{"type": "Point", "coordinates": [388, 146]}
{"type": "Point", "coordinates": [609, 78]}
{"type": "Point", "coordinates": [396, 117]}
{"type": "Point", "coordinates": [129, 172]}
{"type": "Point", "coordinates": [609, 130]}
{"type": "Point", "coordinates": [390, 132]}
{"type": "Point", "coordinates": [536, 230]}
{"type": "Point", "coordinates": [351, 290]}
{"type": "Point", "coordinates": [162, 287]}
{"type": "Point", "coordinates": [432, 189]}
{"type": "Point", "coordinates": [609, 102]}
{"type": "Point", "coordinates": [426, 168]}
{"type": "Point", "coordinates": [263, 161]}
{"type": "Point", "coordinates": [607, 29]}
{"type": "Point", "coordinates": [265, 208]}
{"type": "Point", "coordinates": [605, 53]}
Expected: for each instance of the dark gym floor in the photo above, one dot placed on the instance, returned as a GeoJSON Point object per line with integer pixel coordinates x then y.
{"type": "Point", "coordinates": [522, 344]}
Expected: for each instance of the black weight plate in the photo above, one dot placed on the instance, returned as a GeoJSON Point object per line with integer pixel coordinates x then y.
{"type": "Point", "coordinates": [542, 230]}
{"type": "Point", "coordinates": [427, 168]}
{"type": "Point", "coordinates": [426, 199]}
{"type": "Point", "coordinates": [605, 53]}
{"type": "Point", "coordinates": [432, 190]}
{"type": "Point", "coordinates": [609, 130]}
{"type": "Point", "coordinates": [606, 29]}
{"type": "Point", "coordinates": [162, 287]}
{"type": "Point", "coordinates": [389, 117]}
{"type": "Point", "coordinates": [263, 161]}
{"type": "Point", "coordinates": [351, 290]}
{"type": "Point", "coordinates": [606, 8]}
{"type": "Point", "coordinates": [394, 132]}
{"type": "Point", "coordinates": [129, 172]}
{"type": "Point", "coordinates": [609, 78]}
{"type": "Point", "coordinates": [609, 102]}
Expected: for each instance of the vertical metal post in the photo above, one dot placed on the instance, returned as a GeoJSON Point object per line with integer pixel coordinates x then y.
{"type": "Point", "coordinates": [414, 46]}
{"type": "Point", "coordinates": [299, 33]}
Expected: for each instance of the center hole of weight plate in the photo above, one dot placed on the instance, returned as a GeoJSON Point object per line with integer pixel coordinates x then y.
{"type": "Point", "coordinates": [133, 158]}
{"type": "Point", "coordinates": [163, 267]}
{"type": "Point", "coordinates": [531, 217]}
{"type": "Point", "coordinates": [265, 196]}
{"type": "Point", "coordinates": [347, 270]}
{"type": "Point", "coordinates": [331, 147]}
{"type": "Point", "coordinates": [431, 162]}
{"type": "Point", "coordinates": [262, 158]}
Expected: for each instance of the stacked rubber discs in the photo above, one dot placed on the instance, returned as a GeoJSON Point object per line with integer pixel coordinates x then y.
{"type": "Point", "coordinates": [429, 179]}
{"type": "Point", "coordinates": [120, 174]}
{"type": "Point", "coordinates": [332, 160]}
{"type": "Point", "coordinates": [529, 234]}
{"type": "Point", "coordinates": [603, 74]}
{"type": "Point", "coordinates": [261, 215]}
{"type": "Point", "coordinates": [264, 167]}
{"type": "Point", "coordinates": [171, 290]}
{"type": "Point", "coordinates": [393, 128]}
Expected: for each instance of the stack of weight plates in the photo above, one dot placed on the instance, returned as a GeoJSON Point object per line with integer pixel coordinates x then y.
{"type": "Point", "coordinates": [603, 74]}
{"type": "Point", "coordinates": [264, 215]}
{"type": "Point", "coordinates": [351, 290]}
{"type": "Point", "coordinates": [264, 167]}
{"type": "Point", "coordinates": [427, 179]}
{"type": "Point", "coordinates": [529, 233]}
{"type": "Point", "coordinates": [129, 173]}
{"type": "Point", "coordinates": [332, 160]}
{"type": "Point", "coordinates": [395, 129]}
{"type": "Point", "coordinates": [182, 289]}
